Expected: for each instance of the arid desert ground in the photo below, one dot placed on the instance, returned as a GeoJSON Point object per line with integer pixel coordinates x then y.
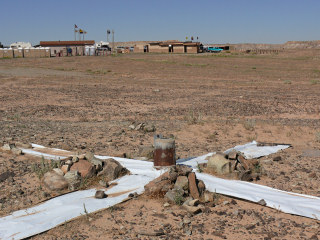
{"type": "Point", "coordinates": [208, 102]}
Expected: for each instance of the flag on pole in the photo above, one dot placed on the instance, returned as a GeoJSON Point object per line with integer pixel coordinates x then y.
{"type": "Point", "coordinates": [75, 26]}
{"type": "Point", "coordinates": [81, 31]}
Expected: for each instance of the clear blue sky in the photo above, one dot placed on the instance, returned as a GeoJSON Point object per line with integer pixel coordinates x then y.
{"type": "Point", "coordinates": [223, 21]}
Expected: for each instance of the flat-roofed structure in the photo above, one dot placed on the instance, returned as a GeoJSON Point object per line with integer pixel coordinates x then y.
{"type": "Point", "coordinates": [67, 48]}
{"type": "Point", "coordinates": [169, 47]}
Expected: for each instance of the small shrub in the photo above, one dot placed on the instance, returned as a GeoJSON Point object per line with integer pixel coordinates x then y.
{"type": "Point", "coordinates": [317, 135]}
{"type": "Point", "coordinates": [178, 199]}
{"type": "Point", "coordinates": [44, 166]}
{"type": "Point", "coordinates": [314, 81]}
{"type": "Point", "coordinates": [249, 124]}
{"type": "Point", "coordinates": [193, 117]}
{"type": "Point", "coordinates": [287, 82]}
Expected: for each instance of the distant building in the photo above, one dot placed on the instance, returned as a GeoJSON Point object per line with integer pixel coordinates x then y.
{"type": "Point", "coordinates": [169, 47]}
{"type": "Point", "coordinates": [20, 45]}
{"type": "Point", "coordinates": [67, 48]}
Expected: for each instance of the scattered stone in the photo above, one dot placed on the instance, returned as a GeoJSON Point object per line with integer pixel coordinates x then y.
{"type": "Point", "coordinates": [85, 168]}
{"type": "Point", "coordinates": [226, 203]}
{"type": "Point", "coordinates": [58, 171]}
{"type": "Point", "coordinates": [267, 162]}
{"type": "Point", "coordinates": [244, 162]}
{"type": "Point", "coordinates": [262, 202]}
{"type": "Point", "coordinates": [208, 197]}
{"type": "Point", "coordinates": [219, 163]}
{"type": "Point", "coordinates": [65, 168]}
{"type": "Point", "coordinates": [5, 175]}
{"type": "Point", "coordinates": [155, 233]}
{"type": "Point", "coordinates": [192, 210]}
{"type": "Point", "coordinates": [7, 147]}
{"type": "Point", "coordinates": [112, 170]}
{"type": "Point", "coordinates": [166, 204]}
{"type": "Point", "coordinates": [194, 192]}
{"type": "Point", "coordinates": [23, 145]}
{"type": "Point", "coordinates": [245, 176]}
{"type": "Point", "coordinates": [54, 181]}
{"type": "Point", "coordinates": [157, 187]}
{"type": "Point", "coordinates": [277, 158]}
{"type": "Point", "coordinates": [133, 195]}
{"type": "Point", "coordinates": [16, 151]}
{"type": "Point", "coordinates": [149, 128]}
{"type": "Point", "coordinates": [73, 178]}
{"type": "Point", "coordinates": [194, 202]}
{"type": "Point", "coordinates": [75, 159]}
{"type": "Point", "coordinates": [69, 162]}
{"type": "Point", "coordinates": [95, 161]}
{"type": "Point", "coordinates": [186, 220]}
{"type": "Point", "coordinates": [313, 175]}
{"type": "Point", "coordinates": [182, 183]}
{"type": "Point", "coordinates": [103, 183]}
{"type": "Point", "coordinates": [132, 126]}
{"type": "Point", "coordinates": [233, 155]}
{"type": "Point", "coordinates": [201, 187]}
{"type": "Point", "coordinates": [100, 194]}
{"type": "Point", "coordinates": [175, 196]}
{"type": "Point", "coordinates": [183, 170]}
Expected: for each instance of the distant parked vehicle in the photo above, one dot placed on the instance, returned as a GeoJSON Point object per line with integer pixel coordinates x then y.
{"type": "Point", "coordinates": [214, 49]}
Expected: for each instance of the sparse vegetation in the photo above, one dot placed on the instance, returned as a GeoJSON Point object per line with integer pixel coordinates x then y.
{"type": "Point", "coordinates": [178, 199]}
{"type": "Point", "coordinates": [249, 124]}
{"type": "Point", "coordinates": [44, 166]}
{"type": "Point", "coordinates": [199, 168]}
{"type": "Point", "coordinates": [287, 82]}
{"type": "Point", "coordinates": [314, 81]}
{"type": "Point", "coordinates": [193, 117]}
{"type": "Point", "coordinates": [317, 136]}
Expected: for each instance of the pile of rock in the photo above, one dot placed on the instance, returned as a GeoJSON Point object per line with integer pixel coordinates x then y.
{"type": "Point", "coordinates": [75, 169]}
{"type": "Point", "coordinates": [179, 185]}
{"type": "Point", "coordinates": [233, 165]}
{"type": "Point", "coordinates": [13, 148]}
{"type": "Point", "coordinates": [145, 127]}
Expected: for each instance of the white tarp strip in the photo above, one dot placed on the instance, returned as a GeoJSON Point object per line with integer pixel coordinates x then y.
{"type": "Point", "coordinates": [56, 211]}
{"type": "Point", "coordinates": [251, 150]}
{"type": "Point", "coordinates": [44, 155]}
{"type": "Point", "coordinates": [34, 220]}
{"type": "Point", "coordinates": [288, 202]}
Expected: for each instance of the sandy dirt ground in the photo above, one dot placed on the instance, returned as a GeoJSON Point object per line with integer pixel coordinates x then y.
{"type": "Point", "coordinates": [208, 102]}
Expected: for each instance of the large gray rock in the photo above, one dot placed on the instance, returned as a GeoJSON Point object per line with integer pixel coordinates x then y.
{"type": "Point", "coordinates": [73, 178]}
{"type": "Point", "coordinates": [112, 170]}
{"type": "Point", "coordinates": [98, 163]}
{"type": "Point", "coordinates": [219, 164]}
{"type": "Point", "coordinates": [54, 181]}
{"type": "Point", "coordinates": [175, 195]}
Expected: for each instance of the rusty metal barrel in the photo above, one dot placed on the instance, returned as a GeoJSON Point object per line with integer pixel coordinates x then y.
{"type": "Point", "coordinates": [164, 152]}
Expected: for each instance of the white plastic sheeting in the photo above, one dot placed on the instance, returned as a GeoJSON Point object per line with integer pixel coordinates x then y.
{"type": "Point", "coordinates": [251, 150]}
{"type": "Point", "coordinates": [288, 202]}
{"type": "Point", "coordinates": [25, 223]}
{"type": "Point", "coordinates": [56, 211]}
